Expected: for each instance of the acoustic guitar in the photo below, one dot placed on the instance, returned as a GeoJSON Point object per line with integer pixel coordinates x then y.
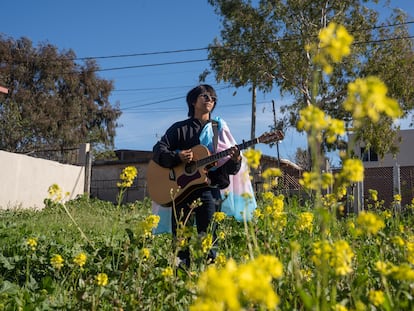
{"type": "Point", "coordinates": [172, 185]}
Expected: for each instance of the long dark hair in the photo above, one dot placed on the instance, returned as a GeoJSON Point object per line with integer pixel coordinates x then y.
{"type": "Point", "coordinates": [193, 94]}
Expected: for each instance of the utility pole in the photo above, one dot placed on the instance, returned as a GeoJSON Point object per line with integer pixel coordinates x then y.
{"type": "Point", "coordinates": [277, 142]}
{"type": "Point", "coordinates": [253, 129]}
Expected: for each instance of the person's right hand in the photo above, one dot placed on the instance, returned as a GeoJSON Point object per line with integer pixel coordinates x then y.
{"type": "Point", "coordinates": [186, 155]}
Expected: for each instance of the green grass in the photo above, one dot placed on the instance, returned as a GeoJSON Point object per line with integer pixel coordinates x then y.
{"type": "Point", "coordinates": [117, 242]}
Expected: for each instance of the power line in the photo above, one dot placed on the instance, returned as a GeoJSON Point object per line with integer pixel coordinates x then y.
{"type": "Point", "coordinates": [141, 54]}
{"type": "Point", "coordinates": [206, 48]}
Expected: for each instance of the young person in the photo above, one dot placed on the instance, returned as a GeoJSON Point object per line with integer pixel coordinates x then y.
{"type": "Point", "coordinates": [175, 148]}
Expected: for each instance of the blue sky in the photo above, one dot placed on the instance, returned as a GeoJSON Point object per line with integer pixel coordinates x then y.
{"type": "Point", "coordinates": [151, 97]}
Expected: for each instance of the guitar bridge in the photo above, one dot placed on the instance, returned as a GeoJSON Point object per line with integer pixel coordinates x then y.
{"type": "Point", "coordinates": [171, 175]}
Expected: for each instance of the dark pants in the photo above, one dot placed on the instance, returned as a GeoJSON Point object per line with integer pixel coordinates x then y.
{"type": "Point", "coordinates": [211, 200]}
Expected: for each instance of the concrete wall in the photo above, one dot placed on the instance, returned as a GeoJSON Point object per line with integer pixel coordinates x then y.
{"type": "Point", "coordinates": [105, 178]}
{"type": "Point", "coordinates": [24, 180]}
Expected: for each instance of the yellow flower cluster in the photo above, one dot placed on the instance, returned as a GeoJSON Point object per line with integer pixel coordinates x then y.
{"type": "Point", "coordinates": [334, 43]}
{"type": "Point", "coordinates": [228, 288]}
{"type": "Point", "coordinates": [207, 243]}
{"type": "Point", "coordinates": [314, 119]}
{"type": "Point", "coordinates": [253, 157]}
{"type": "Point", "coordinates": [352, 171]}
{"type": "Point", "coordinates": [270, 176]}
{"type": "Point", "coordinates": [57, 261]}
{"type": "Point", "coordinates": [338, 256]}
{"type": "Point", "coordinates": [274, 210]}
{"type": "Point", "coordinates": [221, 260]}
{"type": "Point", "coordinates": [145, 254]}
{"type": "Point", "coordinates": [369, 222]}
{"type": "Point", "coordinates": [305, 222]}
{"type": "Point", "coordinates": [167, 272]}
{"type": "Point", "coordinates": [219, 216]}
{"type": "Point", "coordinates": [397, 198]}
{"type": "Point", "coordinates": [55, 193]}
{"type": "Point", "coordinates": [80, 259]}
{"type": "Point", "coordinates": [127, 177]}
{"type": "Point", "coordinates": [376, 297]}
{"type": "Point", "coordinates": [373, 194]}
{"type": "Point", "coordinates": [315, 180]}
{"type": "Point", "coordinates": [410, 252]}
{"type": "Point", "coordinates": [367, 98]}
{"type": "Point", "coordinates": [101, 279]}
{"type": "Point", "coordinates": [32, 243]}
{"type": "Point", "coordinates": [148, 224]}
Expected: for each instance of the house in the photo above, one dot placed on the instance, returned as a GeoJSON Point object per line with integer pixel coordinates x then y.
{"type": "Point", "coordinates": [391, 174]}
{"type": "Point", "coordinates": [105, 175]}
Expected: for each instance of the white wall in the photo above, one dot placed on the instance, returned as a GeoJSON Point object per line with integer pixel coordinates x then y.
{"type": "Point", "coordinates": [24, 180]}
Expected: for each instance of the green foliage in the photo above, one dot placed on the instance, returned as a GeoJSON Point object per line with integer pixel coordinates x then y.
{"type": "Point", "coordinates": [136, 263]}
{"type": "Point", "coordinates": [53, 102]}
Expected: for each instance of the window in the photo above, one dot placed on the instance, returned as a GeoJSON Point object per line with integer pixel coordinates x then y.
{"type": "Point", "coordinates": [368, 155]}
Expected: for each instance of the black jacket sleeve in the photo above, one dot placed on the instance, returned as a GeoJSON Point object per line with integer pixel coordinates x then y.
{"type": "Point", "coordinates": [220, 176]}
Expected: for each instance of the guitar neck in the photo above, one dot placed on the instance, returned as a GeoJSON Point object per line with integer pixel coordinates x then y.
{"type": "Point", "coordinates": [215, 157]}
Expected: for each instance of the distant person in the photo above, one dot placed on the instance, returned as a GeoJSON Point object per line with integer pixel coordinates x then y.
{"type": "Point", "coordinates": [178, 146]}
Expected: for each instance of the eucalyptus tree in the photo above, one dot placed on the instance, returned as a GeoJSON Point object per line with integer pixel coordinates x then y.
{"type": "Point", "coordinates": [264, 43]}
{"type": "Point", "coordinates": [53, 101]}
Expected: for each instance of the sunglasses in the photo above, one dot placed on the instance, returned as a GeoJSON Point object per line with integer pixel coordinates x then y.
{"type": "Point", "coordinates": [208, 97]}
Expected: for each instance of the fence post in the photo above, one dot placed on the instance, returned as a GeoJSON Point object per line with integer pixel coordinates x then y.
{"type": "Point", "coordinates": [85, 159]}
{"type": "Point", "coordinates": [358, 197]}
{"type": "Point", "coordinates": [396, 185]}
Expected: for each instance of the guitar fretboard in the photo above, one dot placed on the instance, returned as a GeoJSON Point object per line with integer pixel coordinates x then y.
{"type": "Point", "coordinates": [215, 157]}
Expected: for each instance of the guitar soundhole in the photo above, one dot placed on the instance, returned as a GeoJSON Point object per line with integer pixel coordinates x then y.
{"type": "Point", "coordinates": [190, 168]}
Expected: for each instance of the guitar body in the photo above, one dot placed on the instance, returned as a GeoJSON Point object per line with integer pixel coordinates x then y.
{"type": "Point", "coordinates": [172, 185]}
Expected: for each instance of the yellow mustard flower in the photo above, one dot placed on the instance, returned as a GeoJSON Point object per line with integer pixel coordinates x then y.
{"type": "Point", "coordinates": [101, 279]}
{"type": "Point", "coordinates": [32, 243]}
{"type": "Point", "coordinates": [145, 254]}
{"type": "Point", "coordinates": [219, 216]}
{"type": "Point", "coordinates": [80, 259]}
{"type": "Point", "coordinates": [310, 180]}
{"type": "Point", "coordinates": [253, 157]}
{"type": "Point", "coordinates": [410, 252]}
{"type": "Point", "coordinates": [335, 128]}
{"type": "Point", "coordinates": [229, 287]}
{"type": "Point", "coordinates": [167, 272]}
{"type": "Point", "coordinates": [339, 307]}
{"type": "Point", "coordinates": [57, 261]}
{"type": "Point", "coordinates": [369, 222]}
{"type": "Point", "coordinates": [207, 243]}
{"type": "Point", "coordinates": [271, 172]}
{"type": "Point", "coordinates": [376, 297]}
{"type": "Point", "coordinates": [352, 170]}
{"type": "Point", "coordinates": [127, 177]}
{"type": "Point", "coordinates": [305, 222]}
{"type": "Point", "coordinates": [367, 98]}
{"type": "Point", "coordinates": [220, 260]}
{"type": "Point", "coordinates": [55, 193]}
{"type": "Point", "coordinates": [384, 268]}
{"type": "Point", "coordinates": [397, 198]}
{"type": "Point", "coordinates": [149, 223]}
{"type": "Point", "coordinates": [373, 194]}
{"type": "Point", "coordinates": [342, 256]}
{"type": "Point", "coordinates": [403, 272]}
{"type": "Point", "coordinates": [312, 117]}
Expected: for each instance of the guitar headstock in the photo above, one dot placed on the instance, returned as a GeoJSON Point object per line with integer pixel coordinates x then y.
{"type": "Point", "coordinates": [270, 137]}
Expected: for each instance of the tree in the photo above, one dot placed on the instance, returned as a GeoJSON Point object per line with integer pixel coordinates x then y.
{"type": "Point", "coordinates": [265, 44]}
{"type": "Point", "coordinates": [53, 102]}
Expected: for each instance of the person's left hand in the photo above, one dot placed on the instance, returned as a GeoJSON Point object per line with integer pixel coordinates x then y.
{"type": "Point", "coordinates": [235, 154]}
